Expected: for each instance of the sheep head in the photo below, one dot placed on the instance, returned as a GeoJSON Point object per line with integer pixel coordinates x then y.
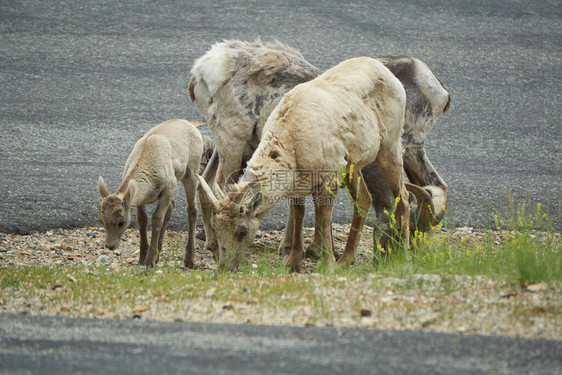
{"type": "Point", "coordinates": [234, 219]}
{"type": "Point", "coordinates": [427, 206]}
{"type": "Point", "coordinates": [114, 213]}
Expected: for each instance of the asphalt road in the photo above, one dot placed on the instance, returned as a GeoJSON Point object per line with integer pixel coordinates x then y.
{"type": "Point", "coordinates": [83, 80]}
{"type": "Point", "coordinates": [84, 346]}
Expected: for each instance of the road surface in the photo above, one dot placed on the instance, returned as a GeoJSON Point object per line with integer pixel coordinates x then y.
{"type": "Point", "coordinates": [61, 345]}
{"type": "Point", "coordinates": [82, 81]}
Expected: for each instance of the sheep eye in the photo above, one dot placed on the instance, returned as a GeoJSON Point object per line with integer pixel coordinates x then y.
{"type": "Point", "coordinates": [120, 225]}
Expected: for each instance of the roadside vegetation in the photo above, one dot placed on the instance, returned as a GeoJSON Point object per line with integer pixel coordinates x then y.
{"type": "Point", "coordinates": [510, 276]}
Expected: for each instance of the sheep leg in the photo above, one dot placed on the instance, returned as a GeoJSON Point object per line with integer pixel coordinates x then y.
{"type": "Point", "coordinates": [325, 204]}
{"type": "Point", "coordinates": [382, 201]}
{"type": "Point", "coordinates": [190, 188]}
{"type": "Point", "coordinates": [297, 249]}
{"type": "Point", "coordinates": [390, 163]}
{"type": "Point", "coordinates": [362, 201]}
{"type": "Point", "coordinates": [209, 175]}
{"type": "Point", "coordinates": [229, 168]}
{"type": "Point", "coordinates": [158, 218]}
{"type": "Point", "coordinates": [164, 226]}
{"type": "Point", "coordinates": [143, 223]}
{"type": "Point", "coordinates": [211, 242]}
{"type": "Point", "coordinates": [287, 244]}
{"type": "Point", "coordinates": [314, 250]}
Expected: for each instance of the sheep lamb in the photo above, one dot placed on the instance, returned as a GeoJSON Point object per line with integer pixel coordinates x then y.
{"type": "Point", "coordinates": [168, 153]}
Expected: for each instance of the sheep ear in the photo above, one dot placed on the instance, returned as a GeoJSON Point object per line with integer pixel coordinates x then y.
{"type": "Point", "coordinates": [191, 89]}
{"type": "Point", "coordinates": [102, 189]}
{"type": "Point", "coordinates": [256, 201]}
{"type": "Point", "coordinates": [131, 190]}
{"type": "Point", "coordinates": [439, 201]}
{"type": "Point", "coordinates": [238, 195]}
{"type": "Point", "coordinates": [424, 207]}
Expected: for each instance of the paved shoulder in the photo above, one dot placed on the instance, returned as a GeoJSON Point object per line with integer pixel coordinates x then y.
{"type": "Point", "coordinates": [68, 345]}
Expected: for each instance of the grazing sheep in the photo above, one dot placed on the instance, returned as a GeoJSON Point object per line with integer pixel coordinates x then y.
{"type": "Point", "coordinates": [346, 118]}
{"type": "Point", "coordinates": [168, 153]}
{"type": "Point", "coordinates": [426, 100]}
{"type": "Point", "coordinates": [236, 85]}
{"type": "Point", "coordinates": [236, 76]}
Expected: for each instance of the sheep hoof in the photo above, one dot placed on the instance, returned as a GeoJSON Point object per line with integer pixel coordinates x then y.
{"type": "Point", "coordinates": [313, 252]}
{"type": "Point", "coordinates": [189, 264]}
{"type": "Point", "coordinates": [151, 260]}
{"type": "Point", "coordinates": [285, 250]}
{"type": "Point", "coordinates": [295, 269]}
{"type": "Point", "coordinates": [201, 235]}
{"type": "Point", "coordinates": [345, 261]}
{"type": "Point", "coordinates": [294, 266]}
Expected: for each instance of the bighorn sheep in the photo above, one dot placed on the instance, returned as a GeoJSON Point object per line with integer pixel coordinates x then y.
{"type": "Point", "coordinates": [236, 85]}
{"type": "Point", "coordinates": [350, 115]}
{"type": "Point", "coordinates": [168, 153]}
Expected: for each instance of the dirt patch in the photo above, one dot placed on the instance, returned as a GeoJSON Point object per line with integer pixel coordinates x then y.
{"type": "Point", "coordinates": [445, 303]}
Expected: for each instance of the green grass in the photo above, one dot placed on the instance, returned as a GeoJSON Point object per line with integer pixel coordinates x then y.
{"type": "Point", "coordinates": [530, 252]}
{"type": "Point", "coordinates": [520, 258]}
{"type": "Point", "coordinates": [524, 257]}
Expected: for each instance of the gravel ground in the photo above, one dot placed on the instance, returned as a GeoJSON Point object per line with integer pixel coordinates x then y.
{"type": "Point", "coordinates": [462, 304]}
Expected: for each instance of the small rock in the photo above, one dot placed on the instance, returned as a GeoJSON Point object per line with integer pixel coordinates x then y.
{"type": "Point", "coordinates": [60, 252]}
{"type": "Point", "coordinates": [56, 286]}
{"type": "Point", "coordinates": [245, 289]}
{"type": "Point", "coordinates": [117, 252]}
{"type": "Point", "coordinates": [537, 287]}
{"type": "Point", "coordinates": [91, 234]}
{"type": "Point", "coordinates": [365, 312]}
{"type": "Point", "coordinates": [137, 316]}
{"type": "Point", "coordinates": [65, 310]}
{"type": "Point", "coordinates": [140, 309]}
{"type": "Point", "coordinates": [3, 250]}
{"type": "Point", "coordinates": [254, 266]}
{"type": "Point", "coordinates": [427, 322]}
{"type": "Point", "coordinates": [103, 259]}
{"type": "Point", "coordinates": [72, 279]}
{"type": "Point", "coordinates": [509, 295]}
{"type": "Point", "coordinates": [228, 307]}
